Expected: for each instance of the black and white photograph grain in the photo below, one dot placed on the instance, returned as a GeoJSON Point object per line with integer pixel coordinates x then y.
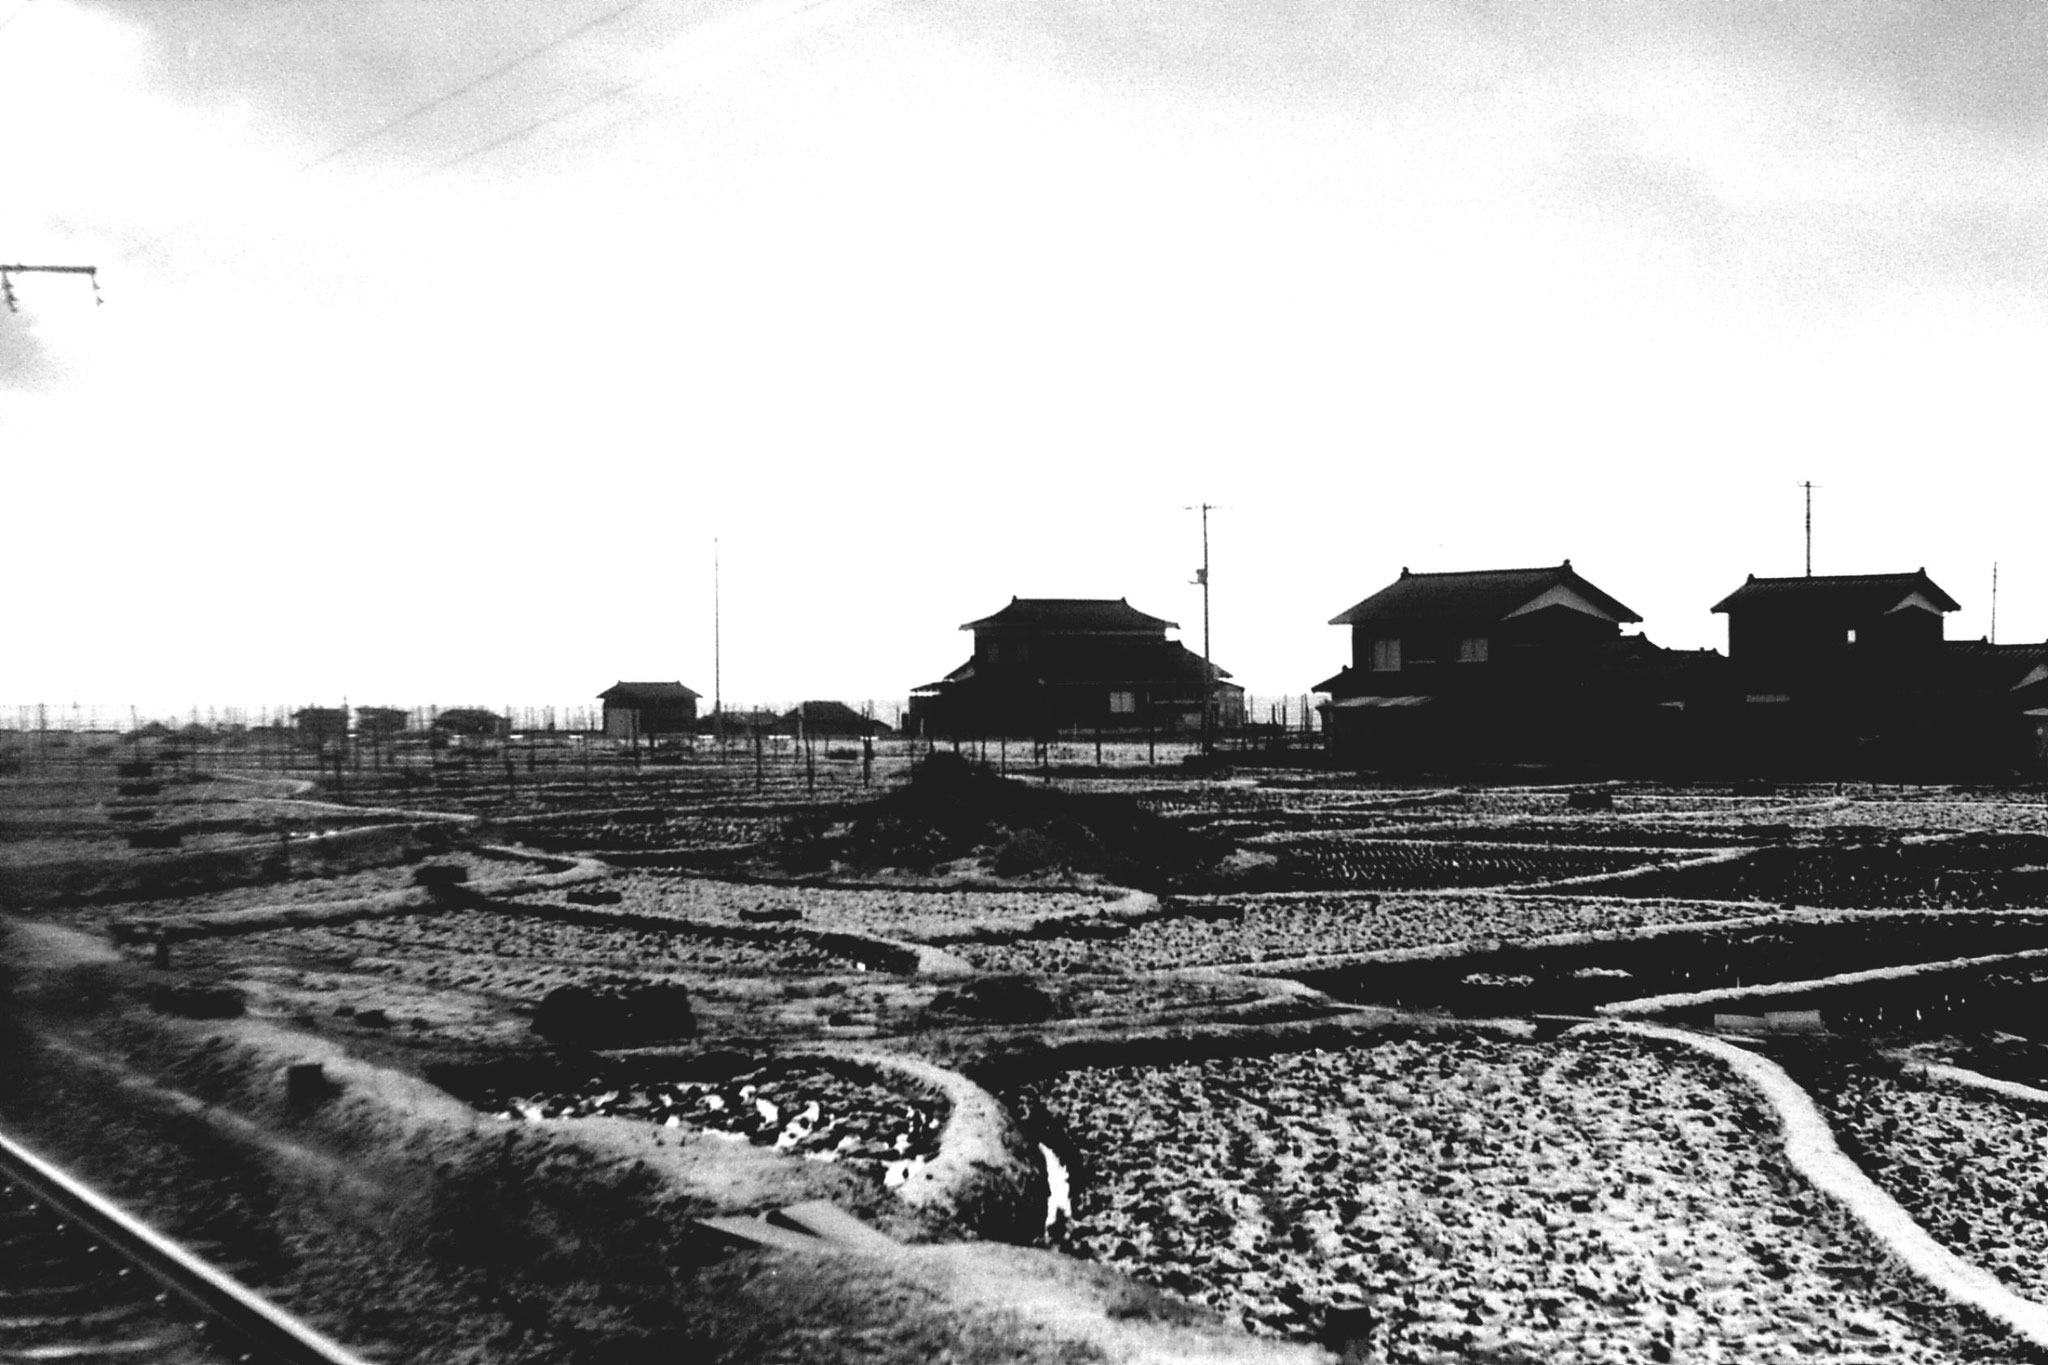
{"type": "Point", "coordinates": [1024, 682]}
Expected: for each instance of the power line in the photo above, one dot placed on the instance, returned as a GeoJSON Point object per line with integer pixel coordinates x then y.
{"type": "Point", "coordinates": [600, 97]}
{"type": "Point", "coordinates": [428, 106]}
{"type": "Point", "coordinates": [419, 110]}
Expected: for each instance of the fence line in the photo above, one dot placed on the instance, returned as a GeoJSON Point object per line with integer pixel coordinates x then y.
{"type": "Point", "coordinates": [1292, 713]}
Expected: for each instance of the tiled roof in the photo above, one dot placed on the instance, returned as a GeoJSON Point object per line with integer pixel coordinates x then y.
{"type": "Point", "coordinates": [1120, 663]}
{"type": "Point", "coordinates": [646, 692]}
{"type": "Point", "coordinates": [1487, 594]}
{"type": "Point", "coordinates": [1078, 615]}
{"type": "Point", "coordinates": [1855, 593]}
{"type": "Point", "coordinates": [2005, 668]}
{"type": "Point", "coordinates": [1133, 661]}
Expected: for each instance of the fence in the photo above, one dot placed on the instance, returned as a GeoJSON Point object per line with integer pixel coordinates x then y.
{"type": "Point", "coordinates": [1285, 714]}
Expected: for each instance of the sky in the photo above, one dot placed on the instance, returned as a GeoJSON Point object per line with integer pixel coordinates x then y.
{"type": "Point", "coordinates": [478, 352]}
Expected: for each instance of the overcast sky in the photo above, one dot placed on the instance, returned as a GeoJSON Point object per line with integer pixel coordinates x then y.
{"type": "Point", "coordinates": [915, 305]}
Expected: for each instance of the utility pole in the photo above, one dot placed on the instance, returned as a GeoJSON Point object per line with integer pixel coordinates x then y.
{"type": "Point", "coordinates": [717, 658]}
{"type": "Point", "coordinates": [8, 272]}
{"type": "Point", "coordinates": [1994, 601]}
{"type": "Point", "coordinates": [1808, 486]}
{"type": "Point", "coordinates": [1208, 678]}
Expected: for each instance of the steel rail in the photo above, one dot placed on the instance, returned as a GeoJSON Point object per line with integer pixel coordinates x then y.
{"type": "Point", "coordinates": [266, 1328]}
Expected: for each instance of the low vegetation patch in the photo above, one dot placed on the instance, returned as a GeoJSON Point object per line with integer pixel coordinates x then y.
{"type": "Point", "coordinates": [615, 1014]}
{"type": "Point", "coordinates": [953, 810]}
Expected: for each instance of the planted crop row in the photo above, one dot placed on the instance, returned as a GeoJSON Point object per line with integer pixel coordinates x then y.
{"type": "Point", "coordinates": [1396, 865]}
{"type": "Point", "coordinates": [1990, 871]}
{"type": "Point", "coordinates": [1255, 928]}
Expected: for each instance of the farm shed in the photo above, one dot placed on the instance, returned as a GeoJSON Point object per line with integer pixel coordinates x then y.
{"type": "Point", "coordinates": [475, 722]}
{"type": "Point", "coordinates": [2030, 695]}
{"type": "Point", "coordinates": [381, 720]}
{"type": "Point", "coordinates": [740, 724]}
{"type": "Point", "coordinates": [319, 724]}
{"type": "Point", "coordinates": [828, 720]}
{"type": "Point", "coordinates": [635, 710]}
{"type": "Point", "coordinates": [1506, 665]}
{"type": "Point", "coordinates": [1044, 665]}
{"type": "Point", "coordinates": [1991, 702]}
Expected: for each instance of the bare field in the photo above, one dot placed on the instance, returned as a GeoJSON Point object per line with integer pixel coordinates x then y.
{"type": "Point", "coordinates": [1455, 1183]}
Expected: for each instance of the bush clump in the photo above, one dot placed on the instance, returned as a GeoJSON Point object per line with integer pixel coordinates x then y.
{"type": "Point", "coordinates": [440, 874]}
{"type": "Point", "coordinates": [192, 1001]}
{"type": "Point", "coordinates": [1005, 999]}
{"type": "Point", "coordinates": [614, 1015]}
{"type": "Point", "coordinates": [953, 809]}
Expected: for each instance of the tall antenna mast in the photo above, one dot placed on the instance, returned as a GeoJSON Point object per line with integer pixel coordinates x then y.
{"type": "Point", "coordinates": [1208, 674]}
{"type": "Point", "coordinates": [1808, 486]}
{"type": "Point", "coordinates": [717, 652]}
{"type": "Point", "coordinates": [1994, 601]}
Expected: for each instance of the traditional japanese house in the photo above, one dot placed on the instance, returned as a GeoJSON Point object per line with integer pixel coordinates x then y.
{"type": "Point", "coordinates": [1044, 666]}
{"type": "Point", "coordinates": [1504, 666]}
{"type": "Point", "coordinates": [1840, 673]}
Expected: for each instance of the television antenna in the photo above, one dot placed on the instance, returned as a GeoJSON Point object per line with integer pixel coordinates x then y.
{"type": "Point", "coordinates": [1809, 486]}
{"type": "Point", "coordinates": [8, 272]}
{"type": "Point", "coordinates": [1208, 673]}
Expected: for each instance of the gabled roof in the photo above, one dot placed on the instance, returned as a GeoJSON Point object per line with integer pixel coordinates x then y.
{"type": "Point", "coordinates": [1486, 594]}
{"type": "Point", "coordinates": [1073, 615]}
{"type": "Point", "coordinates": [1106, 663]}
{"type": "Point", "coordinates": [647, 692]}
{"type": "Point", "coordinates": [2001, 668]}
{"type": "Point", "coordinates": [740, 722]}
{"type": "Point", "coordinates": [1856, 593]}
{"type": "Point", "coordinates": [1133, 661]}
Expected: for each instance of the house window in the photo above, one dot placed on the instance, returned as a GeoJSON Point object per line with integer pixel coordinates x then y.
{"type": "Point", "coordinates": [1472, 649]}
{"type": "Point", "coordinates": [1386, 656]}
{"type": "Point", "coordinates": [1852, 635]}
{"type": "Point", "coordinates": [1123, 703]}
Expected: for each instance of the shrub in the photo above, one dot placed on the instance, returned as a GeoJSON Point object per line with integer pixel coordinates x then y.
{"type": "Point", "coordinates": [440, 874]}
{"type": "Point", "coordinates": [614, 1015]}
{"type": "Point", "coordinates": [198, 1002]}
{"type": "Point", "coordinates": [1004, 999]}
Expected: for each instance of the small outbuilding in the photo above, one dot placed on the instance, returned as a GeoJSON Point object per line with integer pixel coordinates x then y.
{"type": "Point", "coordinates": [321, 724]}
{"type": "Point", "coordinates": [642, 710]}
{"type": "Point", "coordinates": [829, 720]}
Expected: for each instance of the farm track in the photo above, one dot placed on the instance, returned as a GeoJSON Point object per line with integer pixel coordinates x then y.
{"type": "Point", "coordinates": [82, 1280]}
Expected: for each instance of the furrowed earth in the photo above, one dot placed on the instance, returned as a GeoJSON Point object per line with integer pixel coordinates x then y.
{"type": "Point", "coordinates": [542, 1054]}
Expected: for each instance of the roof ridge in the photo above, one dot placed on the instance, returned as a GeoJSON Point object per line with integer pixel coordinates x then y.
{"type": "Point", "coordinates": [1841, 577]}
{"type": "Point", "coordinates": [1565, 567]}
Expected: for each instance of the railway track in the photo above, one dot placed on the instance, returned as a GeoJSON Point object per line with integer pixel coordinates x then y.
{"type": "Point", "coordinates": [82, 1280]}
